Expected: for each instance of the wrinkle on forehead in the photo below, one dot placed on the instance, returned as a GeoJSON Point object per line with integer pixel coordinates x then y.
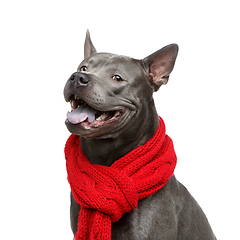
{"type": "Point", "coordinates": [114, 63]}
{"type": "Point", "coordinates": [107, 58]}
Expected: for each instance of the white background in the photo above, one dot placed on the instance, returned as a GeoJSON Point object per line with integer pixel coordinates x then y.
{"type": "Point", "coordinates": [42, 44]}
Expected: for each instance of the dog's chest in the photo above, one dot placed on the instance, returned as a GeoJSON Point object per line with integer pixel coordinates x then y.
{"type": "Point", "coordinates": [149, 219]}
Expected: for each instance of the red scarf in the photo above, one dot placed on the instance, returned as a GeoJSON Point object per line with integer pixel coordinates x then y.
{"type": "Point", "coordinates": [106, 193]}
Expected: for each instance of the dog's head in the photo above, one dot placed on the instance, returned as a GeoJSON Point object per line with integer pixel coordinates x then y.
{"type": "Point", "coordinates": [109, 91]}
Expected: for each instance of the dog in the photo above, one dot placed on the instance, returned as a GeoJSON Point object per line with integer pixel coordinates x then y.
{"type": "Point", "coordinates": [122, 88]}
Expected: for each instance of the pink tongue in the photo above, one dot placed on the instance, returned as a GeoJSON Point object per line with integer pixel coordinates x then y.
{"type": "Point", "coordinates": [81, 113]}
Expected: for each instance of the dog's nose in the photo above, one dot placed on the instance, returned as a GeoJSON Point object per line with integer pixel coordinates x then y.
{"type": "Point", "coordinates": [81, 79]}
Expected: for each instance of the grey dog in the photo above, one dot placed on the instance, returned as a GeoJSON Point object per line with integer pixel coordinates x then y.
{"type": "Point", "coordinates": [112, 83]}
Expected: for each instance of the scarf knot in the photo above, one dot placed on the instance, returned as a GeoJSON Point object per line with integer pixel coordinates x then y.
{"type": "Point", "coordinates": [106, 193]}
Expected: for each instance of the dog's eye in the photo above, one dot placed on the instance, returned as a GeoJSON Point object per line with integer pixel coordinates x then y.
{"type": "Point", "coordinates": [83, 69]}
{"type": "Point", "coordinates": [117, 78]}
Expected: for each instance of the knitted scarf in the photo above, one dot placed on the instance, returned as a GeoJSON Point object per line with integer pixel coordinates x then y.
{"type": "Point", "coordinates": [106, 193]}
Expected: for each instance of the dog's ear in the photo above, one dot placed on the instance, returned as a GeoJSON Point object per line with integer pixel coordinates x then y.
{"type": "Point", "coordinates": [160, 64]}
{"type": "Point", "coordinates": [89, 49]}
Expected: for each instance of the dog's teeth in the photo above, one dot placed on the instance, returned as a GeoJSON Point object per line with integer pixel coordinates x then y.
{"type": "Point", "coordinates": [103, 116]}
{"type": "Point", "coordinates": [76, 97]}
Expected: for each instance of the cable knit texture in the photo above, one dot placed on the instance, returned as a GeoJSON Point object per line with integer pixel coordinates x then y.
{"type": "Point", "coordinates": [106, 193]}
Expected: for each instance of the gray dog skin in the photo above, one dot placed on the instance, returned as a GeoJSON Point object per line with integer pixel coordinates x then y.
{"type": "Point", "coordinates": [122, 87]}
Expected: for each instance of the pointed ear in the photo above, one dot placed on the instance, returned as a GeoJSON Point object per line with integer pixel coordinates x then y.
{"type": "Point", "coordinates": [160, 64]}
{"type": "Point", "coordinates": [89, 49]}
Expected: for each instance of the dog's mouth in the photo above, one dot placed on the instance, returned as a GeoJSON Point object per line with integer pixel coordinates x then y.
{"type": "Point", "coordinates": [87, 116]}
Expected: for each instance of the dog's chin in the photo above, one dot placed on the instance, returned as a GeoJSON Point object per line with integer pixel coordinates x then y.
{"type": "Point", "coordinates": [109, 124]}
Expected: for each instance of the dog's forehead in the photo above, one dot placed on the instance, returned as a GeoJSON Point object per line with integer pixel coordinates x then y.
{"type": "Point", "coordinates": [99, 58]}
{"type": "Point", "coordinates": [112, 61]}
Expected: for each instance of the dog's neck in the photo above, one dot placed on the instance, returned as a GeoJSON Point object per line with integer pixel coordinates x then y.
{"type": "Point", "coordinates": [107, 151]}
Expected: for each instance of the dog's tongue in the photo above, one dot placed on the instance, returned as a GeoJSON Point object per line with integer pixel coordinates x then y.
{"type": "Point", "coordinates": [81, 113]}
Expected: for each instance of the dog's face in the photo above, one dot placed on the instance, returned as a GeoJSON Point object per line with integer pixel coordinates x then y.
{"type": "Point", "coordinates": [114, 95]}
{"type": "Point", "coordinates": [108, 92]}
